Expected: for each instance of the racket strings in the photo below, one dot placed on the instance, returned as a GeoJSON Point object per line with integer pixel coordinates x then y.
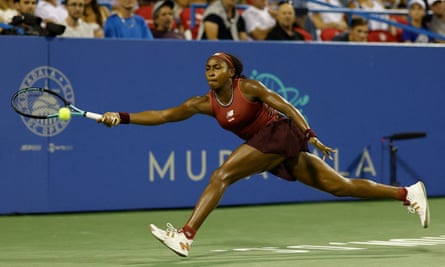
{"type": "Point", "coordinates": [37, 103]}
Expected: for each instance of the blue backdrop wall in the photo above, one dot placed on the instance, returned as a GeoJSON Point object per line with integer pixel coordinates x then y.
{"type": "Point", "coordinates": [352, 95]}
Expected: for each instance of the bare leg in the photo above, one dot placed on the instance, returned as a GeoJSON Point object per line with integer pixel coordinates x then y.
{"type": "Point", "coordinates": [243, 162]}
{"type": "Point", "coordinates": [314, 172]}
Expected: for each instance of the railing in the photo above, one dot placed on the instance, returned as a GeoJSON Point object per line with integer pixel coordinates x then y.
{"type": "Point", "coordinates": [373, 15]}
{"type": "Point", "coordinates": [194, 6]}
{"type": "Point", "coordinates": [369, 15]}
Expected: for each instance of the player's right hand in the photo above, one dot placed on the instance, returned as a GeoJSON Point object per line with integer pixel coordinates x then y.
{"type": "Point", "coordinates": [110, 119]}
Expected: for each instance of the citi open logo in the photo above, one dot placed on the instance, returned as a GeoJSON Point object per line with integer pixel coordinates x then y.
{"type": "Point", "coordinates": [54, 80]}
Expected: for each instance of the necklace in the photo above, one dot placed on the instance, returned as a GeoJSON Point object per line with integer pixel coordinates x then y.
{"type": "Point", "coordinates": [220, 102]}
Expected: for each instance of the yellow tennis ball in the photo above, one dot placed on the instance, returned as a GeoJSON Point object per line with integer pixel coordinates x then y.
{"type": "Point", "coordinates": [64, 114]}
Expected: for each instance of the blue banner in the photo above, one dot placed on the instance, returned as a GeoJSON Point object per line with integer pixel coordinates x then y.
{"type": "Point", "coordinates": [352, 95]}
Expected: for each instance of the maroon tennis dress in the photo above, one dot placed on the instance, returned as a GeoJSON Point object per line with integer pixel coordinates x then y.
{"type": "Point", "coordinates": [261, 126]}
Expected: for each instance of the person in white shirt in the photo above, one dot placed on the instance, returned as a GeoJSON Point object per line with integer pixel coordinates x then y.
{"type": "Point", "coordinates": [51, 11]}
{"type": "Point", "coordinates": [327, 20]}
{"type": "Point", "coordinates": [75, 26]}
{"type": "Point", "coordinates": [374, 5]}
{"type": "Point", "coordinates": [7, 11]}
{"type": "Point", "coordinates": [259, 20]}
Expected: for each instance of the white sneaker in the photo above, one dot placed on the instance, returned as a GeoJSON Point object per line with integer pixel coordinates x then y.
{"type": "Point", "coordinates": [417, 202]}
{"type": "Point", "coordinates": [173, 239]}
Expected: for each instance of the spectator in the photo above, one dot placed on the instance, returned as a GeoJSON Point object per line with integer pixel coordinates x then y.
{"type": "Point", "coordinates": [75, 26]}
{"type": "Point", "coordinates": [125, 24]}
{"type": "Point", "coordinates": [51, 11]}
{"type": "Point", "coordinates": [284, 28]}
{"type": "Point", "coordinates": [163, 21]}
{"type": "Point", "coordinates": [374, 5]}
{"type": "Point", "coordinates": [4, 5]}
{"type": "Point", "coordinates": [304, 21]}
{"type": "Point", "coordinates": [26, 23]}
{"type": "Point", "coordinates": [328, 24]}
{"type": "Point", "coordinates": [259, 20]}
{"type": "Point", "coordinates": [7, 11]}
{"type": "Point", "coordinates": [23, 18]}
{"type": "Point", "coordinates": [358, 32]}
{"type": "Point", "coordinates": [222, 22]}
{"type": "Point", "coordinates": [416, 12]}
{"type": "Point", "coordinates": [25, 6]}
{"type": "Point", "coordinates": [436, 23]}
{"type": "Point", "coordinates": [96, 15]}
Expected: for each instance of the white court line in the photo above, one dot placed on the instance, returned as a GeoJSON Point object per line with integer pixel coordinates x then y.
{"type": "Point", "coordinates": [345, 246]}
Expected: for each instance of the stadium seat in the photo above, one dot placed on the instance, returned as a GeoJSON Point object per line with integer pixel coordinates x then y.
{"type": "Point", "coordinates": [402, 19]}
{"type": "Point", "coordinates": [381, 36]}
{"type": "Point", "coordinates": [328, 34]}
{"type": "Point", "coordinates": [145, 11]}
{"type": "Point", "coordinates": [307, 36]}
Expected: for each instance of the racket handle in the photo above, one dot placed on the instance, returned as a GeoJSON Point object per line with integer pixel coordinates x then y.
{"type": "Point", "coordinates": [92, 115]}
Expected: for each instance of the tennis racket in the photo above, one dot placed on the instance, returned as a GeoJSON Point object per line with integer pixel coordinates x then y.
{"type": "Point", "coordinates": [41, 103]}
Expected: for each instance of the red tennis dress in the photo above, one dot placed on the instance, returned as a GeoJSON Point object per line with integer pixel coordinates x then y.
{"type": "Point", "coordinates": [261, 126]}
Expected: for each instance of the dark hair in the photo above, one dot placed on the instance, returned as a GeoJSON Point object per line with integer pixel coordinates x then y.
{"type": "Point", "coordinates": [285, 2]}
{"type": "Point", "coordinates": [357, 21]}
{"type": "Point", "coordinates": [233, 62]}
{"type": "Point", "coordinates": [237, 65]}
{"type": "Point", "coordinates": [96, 10]}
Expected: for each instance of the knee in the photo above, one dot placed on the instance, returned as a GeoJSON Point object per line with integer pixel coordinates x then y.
{"type": "Point", "coordinates": [220, 177]}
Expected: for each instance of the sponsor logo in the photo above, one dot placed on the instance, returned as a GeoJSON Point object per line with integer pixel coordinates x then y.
{"type": "Point", "coordinates": [184, 246]}
{"type": "Point", "coordinates": [291, 94]}
{"type": "Point", "coordinates": [31, 147]}
{"type": "Point", "coordinates": [52, 148]}
{"type": "Point", "coordinates": [53, 79]}
{"type": "Point", "coordinates": [230, 115]}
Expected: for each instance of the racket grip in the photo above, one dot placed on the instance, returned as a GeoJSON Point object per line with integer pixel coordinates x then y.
{"type": "Point", "coordinates": [93, 116]}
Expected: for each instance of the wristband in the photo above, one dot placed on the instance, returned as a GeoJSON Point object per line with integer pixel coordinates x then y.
{"type": "Point", "coordinates": [309, 133]}
{"type": "Point", "coordinates": [125, 117]}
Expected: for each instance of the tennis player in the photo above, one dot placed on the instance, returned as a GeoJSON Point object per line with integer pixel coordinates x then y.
{"type": "Point", "coordinates": [276, 139]}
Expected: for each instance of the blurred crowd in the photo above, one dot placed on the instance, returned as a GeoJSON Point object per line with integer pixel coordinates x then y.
{"type": "Point", "coordinates": [238, 20]}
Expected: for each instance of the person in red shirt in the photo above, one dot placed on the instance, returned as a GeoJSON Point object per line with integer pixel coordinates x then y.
{"type": "Point", "coordinates": [276, 140]}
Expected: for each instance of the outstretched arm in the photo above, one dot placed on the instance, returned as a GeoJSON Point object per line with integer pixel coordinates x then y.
{"type": "Point", "coordinates": [190, 107]}
{"type": "Point", "coordinates": [256, 91]}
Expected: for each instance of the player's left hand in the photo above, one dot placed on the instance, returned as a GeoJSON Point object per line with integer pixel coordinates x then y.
{"type": "Point", "coordinates": [327, 151]}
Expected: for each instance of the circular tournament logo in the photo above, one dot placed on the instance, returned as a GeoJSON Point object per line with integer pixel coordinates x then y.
{"type": "Point", "coordinates": [52, 79]}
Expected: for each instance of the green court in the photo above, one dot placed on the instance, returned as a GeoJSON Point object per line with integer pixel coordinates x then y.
{"type": "Point", "coordinates": [350, 233]}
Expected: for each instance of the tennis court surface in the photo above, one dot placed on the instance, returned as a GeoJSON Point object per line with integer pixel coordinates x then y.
{"type": "Point", "coordinates": [350, 233]}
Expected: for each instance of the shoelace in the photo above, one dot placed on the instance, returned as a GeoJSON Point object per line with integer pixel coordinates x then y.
{"type": "Point", "coordinates": [413, 207]}
{"type": "Point", "coordinates": [171, 228]}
